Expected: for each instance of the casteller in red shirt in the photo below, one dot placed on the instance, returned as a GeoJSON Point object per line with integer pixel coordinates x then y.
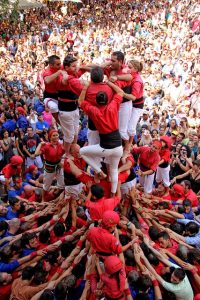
{"type": "Point", "coordinates": [148, 159]}
{"type": "Point", "coordinates": [97, 208]}
{"type": "Point", "coordinates": [105, 118]}
{"type": "Point", "coordinates": [192, 197]}
{"type": "Point", "coordinates": [9, 170]}
{"type": "Point", "coordinates": [103, 241]}
{"type": "Point", "coordinates": [52, 153]}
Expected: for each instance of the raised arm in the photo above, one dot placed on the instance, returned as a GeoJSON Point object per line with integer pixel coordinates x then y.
{"type": "Point", "coordinates": [115, 88]}
{"type": "Point", "coordinates": [50, 78]}
{"type": "Point", "coordinates": [82, 95]}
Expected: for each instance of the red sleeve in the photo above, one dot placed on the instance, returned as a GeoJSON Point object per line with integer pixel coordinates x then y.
{"type": "Point", "coordinates": [113, 202]}
{"type": "Point", "coordinates": [155, 164]}
{"type": "Point", "coordinates": [131, 159]}
{"type": "Point", "coordinates": [45, 73]}
{"type": "Point", "coordinates": [117, 99]}
{"type": "Point", "coordinates": [66, 166]}
{"type": "Point", "coordinates": [80, 222]}
{"type": "Point", "coordinates": [138, 150]}
{"type": "Point", "coordinates": [43, 149]}
{"type": "Point", "coordinates": [137, 89]}
{"type": "Point", "coordinates": [115, 245]}
{"type": "Point", "coordinates": [85, 178]}
{"type": "Point", "coordinates": [75, 85]}
{"type": "Point", "coordinates": [107, 71]}
{"type": "Point", "coordinates": [123, 176]}
{"type": "Point", "coordinates": [80, 72]}
{"type": "Point", "coordinates": [166, 156]}
{"type": "Point", "coordinates": [6, 172]}
{"type": "Point", "coordinates": [89, 109]}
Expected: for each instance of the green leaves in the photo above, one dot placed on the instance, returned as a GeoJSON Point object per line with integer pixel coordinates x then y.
{"type": "Point", "coordinates": [9, 9]}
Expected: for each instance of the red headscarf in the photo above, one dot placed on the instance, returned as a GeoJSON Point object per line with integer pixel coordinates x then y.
{"type": "Point", "coordinates": [179, 189]}
{"type": "Point", "coordinates": [21, 110]}
{"type": "Point", "coordinates": [110, 218]}
{"type": "Point", "coordinates": [158, 144]}
{"type": "Point", "coordinates": [31, 168]}
{"type": "Point", "coordinates": [16, 160]}
{"type": "Point", "coordinates": [52, 132]}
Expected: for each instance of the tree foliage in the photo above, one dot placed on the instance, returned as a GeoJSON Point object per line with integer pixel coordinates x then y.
{"type": "Point", "coordinates": [9, 9]}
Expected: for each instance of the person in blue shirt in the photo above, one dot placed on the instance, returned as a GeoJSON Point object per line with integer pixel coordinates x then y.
{"type": "Point", "coordinates": [33, 176]}
{"type": "Point", "coordinates": [17, 189]}
{"type": "Point", "coordinates": [184, 212]}
{"type": "Point", "coordinates": [9, 124]}
{"type": "Point", "coordinates": [22, 121]}
{"type": "Point", "coordinates": [41, 125]}
{"type": "Point", "coordinates": [39, 106]}
{"type": "Point", "coordinates": [13, 209]}
{"type": "Point", "coordinates": [29, 243]}
{"type": "Point", "coordinates": [3, 212]}
{"type": "Point", "coordinates": [10, 231]}
{"type": "Point", "coordinates": [3, 229]}
{"type": "Point", "coordinates": [6, 255]}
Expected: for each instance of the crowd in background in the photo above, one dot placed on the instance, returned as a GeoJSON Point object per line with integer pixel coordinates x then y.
{"type": "Point", "coordinates": [45, 247]}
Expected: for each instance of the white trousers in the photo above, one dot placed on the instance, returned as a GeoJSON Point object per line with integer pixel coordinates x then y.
{"type": "Point", "coordinates": [37, 161]}
{"type": "Point", "coordinates": [49, 177]}
{"type": "Point", "coordinates": [52, 105]}
{"type": "Point", "coordinates": [162, 175]}
{"type": "Point", "coordinates": [73, 189]}
{"type": "Point", "coordinates": [124, 117]}
{"type": "Point", "coordinates": [93, 137]}
{"type": "Point", "coordinates": [92, 154]}
{"type": "Point", "coordinates": [69, 121]}
{"type": "Point", "coordinates": [126, 186]}
{"type": "Point", "coordinates": [147, 183]}
{"type": "Point", "coordinates": [135, 116]}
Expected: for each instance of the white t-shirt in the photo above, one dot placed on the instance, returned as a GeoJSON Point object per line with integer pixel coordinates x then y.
{"type": "Point", "coordinates": [182, 290]}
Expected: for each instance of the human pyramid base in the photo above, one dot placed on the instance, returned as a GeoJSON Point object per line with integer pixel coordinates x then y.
{"type": "Point", "coordinates": [99, 154]}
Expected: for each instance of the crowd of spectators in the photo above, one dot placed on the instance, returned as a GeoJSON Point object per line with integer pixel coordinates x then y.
{"type": "Point", "coordinates": [76, 246]}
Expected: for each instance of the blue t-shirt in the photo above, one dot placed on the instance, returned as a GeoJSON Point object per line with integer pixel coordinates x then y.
{"type": "Point", "coordinates": [135, 291]}
{"type": "Point", "coordinates": [29, 176]}
{"type": "Point", "coordinates": [10, 214]}
{"type": "Point", "coordinates": [9, 125]}
{"type": "Point", "coordinates": [42, 125]}
{"type": "Point", "coordinates": [16, 192]}
{"type": "Point", "coordinates": [39, 107]}
{"type": "Point", "coordinates": [27, 251]}
{"type": "Point", "coordinates": [9, 267]}
{"type": "Point", "coordinates": [189, 216]}
{"type": "Point", "coordinates": [22, 123]}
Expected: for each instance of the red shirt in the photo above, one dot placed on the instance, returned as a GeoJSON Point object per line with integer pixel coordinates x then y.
{"type": "Point", "coordinates": [94, 88]}
{"type": "Point", "coordinates": [30, 198]}
{"type": "Point", "coordinates": [120, 83]}
{"type": "Point", "coordinates": [8, 171]}
{"type": "Point", "coordinates": [148, 160]}
{"type": "Point", "coordinates": [173, 249]}
{"type": "Point", "coordinates": [159, 268]}
{"type": "Point", "coordinates": [137, 85]}
{"type": "Point", "coordinates": [78, 161]}
{"type": "Point", "coordinates": [5, 291]}
{"type": "Point", "coordinates": [73, 84]}
{"type": "Point", "coordinates": [105, 117]}
{"type": "Point", "coordinates": [52, 153]}
{"type": "Point", "coordinates": [192, 197]}
{"type": "Point", "coordinates": [96, 209]}
{"type": "Point", "coordinates": [78, 73]}
{"type": "Point", "coordinates": [165, 154]}
{"type": "Point", "coordinates": [52, 86]}
{"type": "Point", "coordinates": [103, 241]}
{"type": "Point", "coordinates": [111, 285]}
